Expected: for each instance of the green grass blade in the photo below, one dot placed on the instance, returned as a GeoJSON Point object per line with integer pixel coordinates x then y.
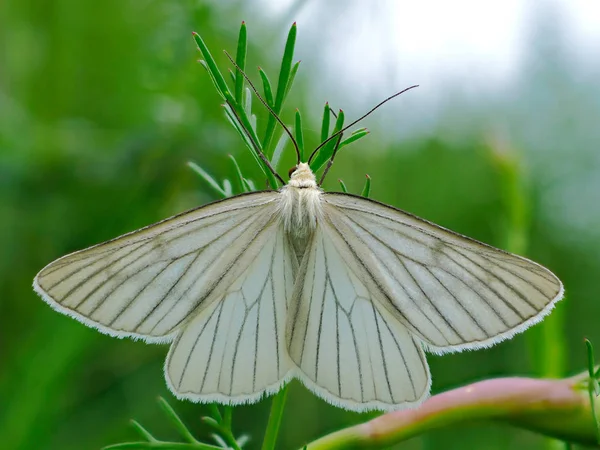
{"type": "Point", "coordinates": [248, 107]}
{"type": "Point", "coordinates": [326, 122]}
{"type": "Point", "coordinates": [240, 60]}
{"type": "Point", "coordinates": [343, 186]}
{"type": "Point", "coordinates": [233, 119]}
{"type": "Point", "coordinates": [177, 422]}
{"type": "Point", "coordinates": [286, 68]}
{"type": "Point", "coordinates": [282, 88]}
{"type": "Point", "coordinates": [266, 87]}
{"type": "Point", "coordinates": [211, 65]}
{"type": "Point", "coordinates": [367, 189]}
{"type": "Point", "coordinates": [227, 187]}
{"type": "Point", "coordinates": [143, 432]}
{"type": "Point", "coordinates": [240, 177]}
{"type": "Point", "coordinates": [358, 134]}
{"type": "Point", "coordinates": [299, 134]}
{"type": "Point", "coordinates": [325, 153]}
{"type": "Point", "coordinates": [290, 82]}
{"type": "Point", "coordinates": [162, 446]}
{"type": "Point", "coordinates": [206, 177]}
{"type": "Point", "coordinates": [278, 152]}
{"type": "Point", "coordinates": [212, 77]}
{"type": "Point", "coordinates": [214, 412]}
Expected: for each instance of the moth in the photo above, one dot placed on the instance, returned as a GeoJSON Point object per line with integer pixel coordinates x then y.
{"type": "Point", "coordinates": [339, 291]}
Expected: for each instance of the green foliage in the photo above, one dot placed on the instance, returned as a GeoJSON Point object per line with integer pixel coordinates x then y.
{"type": "Point", "coordinates": [593, 387]}
{"type": "Point", "coordinates": [102, 104]}
{"type": "Point", "coordinates": [219, 423]}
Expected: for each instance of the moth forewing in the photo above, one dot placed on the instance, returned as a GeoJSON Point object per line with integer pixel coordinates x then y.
{"type": "Point", "coordinates": [146, 283]}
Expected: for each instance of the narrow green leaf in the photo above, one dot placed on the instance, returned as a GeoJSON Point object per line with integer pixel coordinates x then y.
{"type": "Point", "coordinates": [214, 412]}
{"type": "Point", "coordinates": [343, 186]}
{"type": "Point", "coordinates": [240, 60]}
{"type": "Point", "coordinates": [240, 177]}
{"type": "Point", "coordinates": [177, 422]}
{"type": "Point", "coordinates": [212, 423]}
{"type": "Point", "coordinates": [278, 152]}
{"type": "Point", "coordinates": [224, 432]}
{"type": "Point", "coordinates": [353, 137]}
{"type": "Point", "coordinates": [299, 134]}
{"type": "Point", "coordinates": [248, 106]}
{"type": "Point", "coordinates": [286, 67]}
{"type": "Point", "coordinates": [325, 153]}
{"type": "Point", "coordinates": [325, 124]}
{"type": "Point", "coordinates": [591, 367]}
{"type": "Point", "coordinates": [219, 440]}
{"type": "Point", "coordinates": [212, 78]}
{"type": "Point", "coordinates": [162, 446]}
{"type": "Point", "coordinates": [253, 122]}
{"type": "Point", "coordinates": [266, 87]}
{"type": "Point", "coordinates": [238, 127]}
{"type": "Point", "coordinates": [250, 185]}
{"type": "Point", "coordinates": [282, 88]}
{"type": "Point", "coordinates": [243, 440]}
{"type": "Point", "coordinates": [143, 432]}
{"type": "Point", "coordinates": [211, 65]}
{"type": "Point", "coordinates": [593, 388]}
{"type": "Point", "coordinates": [290, 82]}
{"type": "Point", "coordinates": [227, 187]}
{"type": "Point", "coordinates": [367, 189]}
{"type": "Point", "coordinates": [231, 75]}
{"type": "Point", "coordinates": [206, 177]}
{"type": "Point", "coordinates": [233, 119]}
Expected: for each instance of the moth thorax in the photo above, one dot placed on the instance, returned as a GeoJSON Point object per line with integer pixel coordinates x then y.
{"type": "Point", "coordinates": [301, 209]}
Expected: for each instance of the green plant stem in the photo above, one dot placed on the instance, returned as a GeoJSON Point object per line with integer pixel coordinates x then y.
{"type": "Point", "coordinates": [161, 445]}
{"type": "Point", "coordinates": [274, 419]}
{"type": "Point", "coordinates": [545, 341]}
{"type": "Point", "coordinates": [556, 408]}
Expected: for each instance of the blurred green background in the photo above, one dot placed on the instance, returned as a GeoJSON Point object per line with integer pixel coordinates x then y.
{"type": "Point", "coordinates": [103, 103]}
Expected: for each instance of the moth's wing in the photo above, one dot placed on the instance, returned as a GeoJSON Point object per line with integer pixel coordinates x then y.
{"type": "Point", "coordinates": [350, 350]}
{"type": "Point", "coordinates": [147, 283]}
{"type": "Point", "coordinates": [234, 350]}
{"type": "Point", "coordinates": [453, 292]}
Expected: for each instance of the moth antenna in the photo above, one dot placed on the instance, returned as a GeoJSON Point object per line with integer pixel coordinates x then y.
{"type": "Point", "coordinates": [358, 120]}
{"type": "Point", "coordinates": [330, 162]}
{"type": "Point", "coordinates": [264, 102]}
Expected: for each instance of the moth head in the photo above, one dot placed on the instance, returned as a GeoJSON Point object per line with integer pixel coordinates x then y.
{"type": "Point", "coordinates": [302, 177]}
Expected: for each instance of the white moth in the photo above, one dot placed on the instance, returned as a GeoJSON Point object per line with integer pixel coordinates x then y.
{"type": "Point", "coordinates": [341, 292]}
